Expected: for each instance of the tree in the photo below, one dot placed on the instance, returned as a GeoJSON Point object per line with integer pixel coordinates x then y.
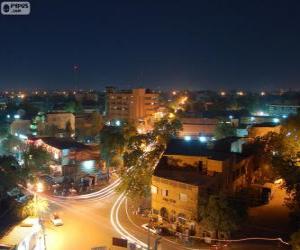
{"type": "Point", "coordinates": [166, 128]}
{"type": "Point", "coordinates": [112, 143]}
{"type": "Point", "coordinates": [142, 155]}
{"type": "Point", "coordinates": [140, 159]}
{"type": "Point", "coordinates": [295, 240]}
{"type": "Point", "coordinates": [35, 207]}
{"type": "Point", "coordinates": [224, 130]}
{"type": "Point", "coordinates": [221, 214]}
{"type": "Point", "coordinates": [36, 160]}
{"type": "Point", "coordinates": [73, 107]}
{"type": "Point", "coordinates": [284, 151]}
{"type": "Point", "coordinates": [4, 130]}
{"type": "Point", "coordinates": [68, 129]}
{"type": "Point", "coordinates": [96, 124]}
{"type": "Point", "coordinates": [9, 172]}
{"type": "Point", "coordinates": [10, 144]}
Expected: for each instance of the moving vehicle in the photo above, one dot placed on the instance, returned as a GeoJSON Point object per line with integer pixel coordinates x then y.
{"type": "Point", "coordinates": [56, 220]}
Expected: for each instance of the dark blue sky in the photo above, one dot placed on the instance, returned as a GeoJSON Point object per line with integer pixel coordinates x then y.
{"type": "Point", "coordinates": [188, 44]}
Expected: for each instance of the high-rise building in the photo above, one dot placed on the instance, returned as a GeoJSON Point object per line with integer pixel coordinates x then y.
{"type": "Point", "coordinates": [136, 105]}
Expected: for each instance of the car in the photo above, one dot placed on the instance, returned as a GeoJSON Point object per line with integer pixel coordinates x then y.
{"type": "Point", "coordinates": [56, 220]}
{"type": "Point", "coordinates": [151, 229]}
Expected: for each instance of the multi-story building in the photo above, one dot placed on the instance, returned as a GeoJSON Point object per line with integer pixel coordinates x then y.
{"type": "Point", "coordinates": [137, 105]}
{"type": "Point", "coordinates": [195, 127]}
{"type": "Point", "coordinates": [189, 170]}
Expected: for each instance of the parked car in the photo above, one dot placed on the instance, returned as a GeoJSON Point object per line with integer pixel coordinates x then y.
{"type": "Point", "coordinates": [164, 231]}
{"type": "Point", "coordinates": [56, 220]}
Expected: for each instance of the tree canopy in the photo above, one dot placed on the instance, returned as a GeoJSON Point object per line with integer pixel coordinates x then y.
{"type": "Point", "coordinates": [222, 214]}
{"type": "Point", "coordinates": [224, 130]}
{"type": "Point", "coordinates": [284, 153]}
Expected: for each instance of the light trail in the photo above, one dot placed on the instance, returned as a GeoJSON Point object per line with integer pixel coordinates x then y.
{"type": "Point", "coordinates": [109, 190]}
{"type": "Point", "coordinates": [114, 219]}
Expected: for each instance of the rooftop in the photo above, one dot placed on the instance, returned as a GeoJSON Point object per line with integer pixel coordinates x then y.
{"type": "Point", "coordinates": [61, 143]}
{"type": "Point", "coordinates": [265, 124]}
{"type": "Point", "coordinates": [194, 148]}
{"type": "Point", "coordinates": [190, 175]}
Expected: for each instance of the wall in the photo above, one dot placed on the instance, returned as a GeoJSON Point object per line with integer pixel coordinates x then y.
{"type": "Point", "coordinates": [172, 202]}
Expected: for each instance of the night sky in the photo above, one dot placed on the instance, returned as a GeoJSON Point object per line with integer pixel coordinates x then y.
{"type": "Point", "coordinates": [164, 44]}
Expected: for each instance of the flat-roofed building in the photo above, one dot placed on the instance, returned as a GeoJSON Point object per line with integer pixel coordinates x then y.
{"type": "Point", "coordinates": [262, 129]}
{"type": "Point", "coordinates": [136, 105]}
{"type": "Point", "coordinates": [188, 170]}
{"type": "Point", "coordinates": [195, 127]}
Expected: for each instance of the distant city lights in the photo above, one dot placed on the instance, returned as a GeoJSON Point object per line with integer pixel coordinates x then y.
{"type": "Point", "coordinates": [187, 138]}
{"type": "Point", "coordinates": [202, 139]}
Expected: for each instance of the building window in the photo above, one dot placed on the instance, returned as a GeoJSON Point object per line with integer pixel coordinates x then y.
{"type": "Point", "coordinates": [165, 192]}
{"type": "Point", "coordinates": [182, 197]}
{"type": "Point", "coordinates": [154, 189]}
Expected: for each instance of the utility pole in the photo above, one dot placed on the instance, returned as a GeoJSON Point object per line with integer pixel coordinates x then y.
{"type": "Point", "coordinates": [156, 243]}
{"type": "Point", "coordinates": [148, 239]}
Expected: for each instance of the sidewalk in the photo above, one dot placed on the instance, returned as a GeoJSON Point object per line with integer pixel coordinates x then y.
{"type": "Point", "coordinates": [94, 188]}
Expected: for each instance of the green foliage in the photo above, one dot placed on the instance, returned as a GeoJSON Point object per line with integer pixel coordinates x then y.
{"type": "Point", "coordinates": [166, 128]}
{"type": "Point", "coordinates": [4, 130]}
{"type": "Point", "coordinates": [36, 160]}
{"type": "Point", "coordinates": [73, 107]}
{"type": "Point", "coordinates": [35, 207]}
{"type": "Point", "coordinates": [10, 143]}
{"type": "Point", "coordinates": [141, 156]}
{"type": "Point", "coordinates": [284, 151]}
{"type": "Point", "coordinates": [221, 214]}
{"type": "Point", "coordinates": [112, 143]}
{"type": "Point", "coordinates": [295, 240]}
{"type": "Point", "coordinates": [10, 173]}
{"type": "Point", "coordinates": [224, 130]}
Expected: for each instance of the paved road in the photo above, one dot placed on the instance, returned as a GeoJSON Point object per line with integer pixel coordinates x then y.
{"type": "Point", "coordinates": [94, 221]}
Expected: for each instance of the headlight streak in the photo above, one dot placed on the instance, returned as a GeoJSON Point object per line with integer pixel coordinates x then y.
{"type": "Point", "coordinates": [114, 218]}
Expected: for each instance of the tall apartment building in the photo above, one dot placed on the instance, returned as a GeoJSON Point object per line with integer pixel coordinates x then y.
{"type": "Point", "coordinates": [136, 105]}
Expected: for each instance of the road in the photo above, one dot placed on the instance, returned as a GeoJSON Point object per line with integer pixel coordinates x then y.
{"type": "Point", "coordinates": [92, 220]}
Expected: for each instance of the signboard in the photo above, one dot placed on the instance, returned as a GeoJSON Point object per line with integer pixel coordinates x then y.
{"type": "Point", "coordinates": [119, 242]}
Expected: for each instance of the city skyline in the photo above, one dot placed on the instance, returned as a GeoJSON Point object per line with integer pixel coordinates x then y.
{"type": "Point", "coordinates": [200, 45]}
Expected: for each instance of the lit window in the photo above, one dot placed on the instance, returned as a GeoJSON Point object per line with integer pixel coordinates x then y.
{"type": "Point", "coordinates": [182, 197]}
{"type": "Point", "coordinates": [154, 190]}
{"type": "Point", "coordinates": [165, 192]}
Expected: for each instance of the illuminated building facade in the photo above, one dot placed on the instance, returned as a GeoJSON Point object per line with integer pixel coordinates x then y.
{"type": "Point", "coordinates": [137, 106]}
{"type": "Point", "coordinates": [189, 170]}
